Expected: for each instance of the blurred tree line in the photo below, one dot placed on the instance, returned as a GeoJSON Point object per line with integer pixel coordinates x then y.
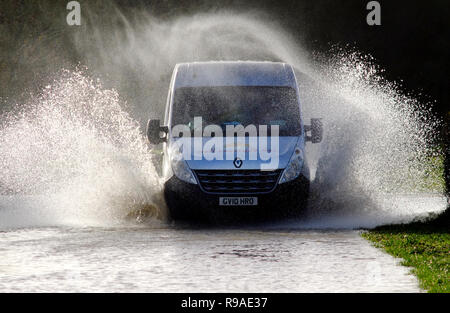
{"type": "Point", "coordinates": [411, 43]}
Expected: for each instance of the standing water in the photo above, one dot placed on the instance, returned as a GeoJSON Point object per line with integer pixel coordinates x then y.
{"type": "Point", "coordinates": [77, 172]}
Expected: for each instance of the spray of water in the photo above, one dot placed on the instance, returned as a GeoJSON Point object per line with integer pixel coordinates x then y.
{"type": "Point", "coordinates": [75, 157]}
{"type": "Point", "coordinates": [78, 141]}
{"type": "Point", "coordinates": [378, 163]}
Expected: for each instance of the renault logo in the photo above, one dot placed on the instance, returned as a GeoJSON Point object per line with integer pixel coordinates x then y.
{"type": "Point", "coordinates": [237, 162]}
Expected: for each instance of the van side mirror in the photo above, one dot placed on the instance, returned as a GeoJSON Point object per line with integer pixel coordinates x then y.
{"type": "Point", "coordinates": [316, 129]}
{"type": "Point", "coordinates": [154, 131]}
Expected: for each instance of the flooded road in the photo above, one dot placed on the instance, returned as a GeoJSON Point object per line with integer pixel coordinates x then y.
{"type": "Point", "coordinates": [173, 259]}
{"type": "Point", "coordinates": [48, 250]}
{"type": "Point", "coordinates": [76, 158]}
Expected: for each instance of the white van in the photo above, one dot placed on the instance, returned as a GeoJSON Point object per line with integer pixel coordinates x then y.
{"type": "Point", "coordinates": [234, 140]}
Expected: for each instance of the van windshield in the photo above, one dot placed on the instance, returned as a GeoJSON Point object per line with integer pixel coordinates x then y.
{"type": "Point", "coordinates": [233, 105]}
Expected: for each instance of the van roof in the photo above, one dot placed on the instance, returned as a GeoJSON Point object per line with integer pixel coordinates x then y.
{"type": "Point", "coordinates": [234, 73]}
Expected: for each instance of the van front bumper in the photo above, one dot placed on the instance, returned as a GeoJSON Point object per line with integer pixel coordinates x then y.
{"type": "Point", "coordinates": [186, 200]}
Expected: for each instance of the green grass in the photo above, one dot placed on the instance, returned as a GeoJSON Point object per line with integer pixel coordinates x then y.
{"type": "Point", "coordinates": [423, 246]}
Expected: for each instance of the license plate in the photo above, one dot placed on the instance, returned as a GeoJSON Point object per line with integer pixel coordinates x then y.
{"type": "Point", "coordinates": [238, 201]}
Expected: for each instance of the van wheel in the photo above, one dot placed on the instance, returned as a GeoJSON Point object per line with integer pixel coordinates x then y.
{"type": "Point", "coordinates": [299, 201]}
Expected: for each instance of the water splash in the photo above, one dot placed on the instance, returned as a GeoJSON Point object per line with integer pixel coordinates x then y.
{"type": "Point", "coordinates": [78, 141]}
{"type": "Point", "coordinates": [138, 56]}
{"type": "Point", "coordinates": [77, 156]}
{"type": "Point", "coordinates": [379, 145]}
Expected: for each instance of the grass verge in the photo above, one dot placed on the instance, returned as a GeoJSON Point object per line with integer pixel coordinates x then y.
{"type": "Point", "coordinates": [423, 246]}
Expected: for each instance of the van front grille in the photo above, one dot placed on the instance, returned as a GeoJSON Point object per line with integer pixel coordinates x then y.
{"type": "Point", "coordinates": [237, 181]}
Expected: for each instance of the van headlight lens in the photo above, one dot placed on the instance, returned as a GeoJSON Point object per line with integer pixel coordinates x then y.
{"type": "Point", "coordinates": [294, 167]}
{"type": "Point", "coordinates": [180, 167]}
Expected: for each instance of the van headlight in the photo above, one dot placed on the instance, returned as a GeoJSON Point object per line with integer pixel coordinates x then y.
{"type": "Point", "coordinates": [180, 167]}
{"type": "Point", "coordinates": [294, 167]}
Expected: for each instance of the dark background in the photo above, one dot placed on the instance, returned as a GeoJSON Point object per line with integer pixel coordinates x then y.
{"type": "Point", "coordinates": [411, 44]}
